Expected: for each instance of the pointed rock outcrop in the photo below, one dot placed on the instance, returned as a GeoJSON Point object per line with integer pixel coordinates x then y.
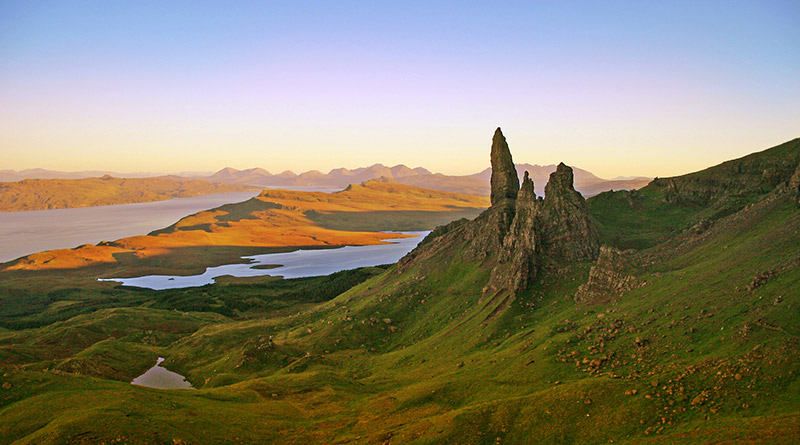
{"type": "Point", "coordinates": [521, 236]}
{"type": "Point", "coordinates": [505, 183]}
{"type": "Point", "coordinates": [544, 234]}
{"type": "Point", "coordinates": [569, 235]}
{"type": "Point", "coordinates": [490, 228]}
{"type": "Point", "coordinates": [517, 262]}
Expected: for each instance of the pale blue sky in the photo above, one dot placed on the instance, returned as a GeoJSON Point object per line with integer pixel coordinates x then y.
{"type": "Point", "coordinates": [618, 88]}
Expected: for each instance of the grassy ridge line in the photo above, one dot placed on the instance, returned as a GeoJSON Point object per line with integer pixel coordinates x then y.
{"type": "Point", "coordinates": [639, 219]}
{"type": "Point", "coordinates": [40, 194]}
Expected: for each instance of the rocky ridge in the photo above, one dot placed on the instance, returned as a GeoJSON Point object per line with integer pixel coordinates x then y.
{"type": "Point", "coordinates": [521, 236]}
{"type": "Point", "coordinates": [607, 278]}
{"type": "Point", "coordinates": [794, 183]}
{"type": "Point", "coordinates": [754, 173]}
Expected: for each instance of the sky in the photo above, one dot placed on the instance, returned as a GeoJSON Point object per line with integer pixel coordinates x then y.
{"type": "Point", "coordinates": [620, 88]}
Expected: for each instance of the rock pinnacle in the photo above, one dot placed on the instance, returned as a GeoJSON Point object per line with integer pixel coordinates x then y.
{"type": "Point", "coordinates": [505, 183]}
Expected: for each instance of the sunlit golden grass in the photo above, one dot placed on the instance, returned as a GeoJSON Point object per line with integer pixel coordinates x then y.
{"type": "Point", "coordinates": [276, 218]}
{"type": "Point", "coordinates": [39, 194]}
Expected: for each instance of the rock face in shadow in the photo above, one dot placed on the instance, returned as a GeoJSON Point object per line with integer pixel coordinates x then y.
{"type": "Point", "coordinates": [794, 182]}
{"type": "Point", "coordinates": [521, 236]}
{"type": "Point", "coordinates": [544, 234]}
{"type": "Point", "coordinates": [608, 278]}
{"type": "Point", "coordinates": [568, 233]}
{"type": "Point", "coordinates": [505, 183]}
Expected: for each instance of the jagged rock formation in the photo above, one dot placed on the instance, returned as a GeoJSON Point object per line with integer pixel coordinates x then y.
{"type": "Point", "coordinates": [568, 233]}
{"type": "Point", "coordinates": [520, 244]}
{"type": "Point", "coordinates": [544, 233]}
{"type": "Point", "coordinates": [505, 183]}
{"type": "Point", "coordinates": [521, 235]}
{"type": "Point", "coordinates": [607, 278]}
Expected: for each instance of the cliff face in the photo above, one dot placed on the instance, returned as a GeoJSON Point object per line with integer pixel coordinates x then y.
{"type": "Point", "coordinates": [607, 279]}
{"type": "Point", "coordinates": [521, 235]}
{"type": "Point", "coordinates": [794, 182]}
{"type": "Point", "coordinates": [544, 233]}
{"type": "Point", "coordinates": [757, 173]}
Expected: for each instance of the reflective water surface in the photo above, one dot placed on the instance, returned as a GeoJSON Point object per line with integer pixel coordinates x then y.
{"type": "Point", "coordinates": [23, 233]}
{"type": "Point", "coordinates": [300, 263]}
{"type": "Point", "coordinates": [162, 378]}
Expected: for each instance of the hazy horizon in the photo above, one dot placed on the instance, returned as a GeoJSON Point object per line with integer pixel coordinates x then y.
{"type": "Point", "coordinates": [617, 88]}
{"type": "Point", "coordinates": [276, 172]}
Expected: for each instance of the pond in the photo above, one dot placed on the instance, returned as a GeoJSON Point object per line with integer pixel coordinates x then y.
{"type": "Point", "coordinates": [161, 378]}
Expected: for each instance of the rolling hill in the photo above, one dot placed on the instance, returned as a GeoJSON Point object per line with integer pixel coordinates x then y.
{"type": "Point", "coordinates": [276, 219]}
{"type": "Point", "coordinates": [663, 315]}
{"type": "Point", "coordinates": [39, 194]}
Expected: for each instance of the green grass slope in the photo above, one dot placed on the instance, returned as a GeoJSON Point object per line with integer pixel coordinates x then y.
{"type": "Point", "coordinates": [642, 218]}
{"type": "Point", "coordinates": [704, 350]}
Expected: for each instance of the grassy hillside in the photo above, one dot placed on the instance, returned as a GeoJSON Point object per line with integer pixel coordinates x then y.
{"type": "Point", "coordinates": [39, 194]}
{"type": "Point", "coordinates": [645, 217]}
{"type": "Point", "coordinates": [703, 349]}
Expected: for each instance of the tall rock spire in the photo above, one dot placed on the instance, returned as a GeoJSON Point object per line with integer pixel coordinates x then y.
{"type": "Point", "coordinates": [505, 183]}
{"type": "Point", "coordinates": [517, 260]}
{"type": "Point", "coordinates": [521, 237]}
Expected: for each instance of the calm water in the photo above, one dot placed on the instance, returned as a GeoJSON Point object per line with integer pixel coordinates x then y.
{"type": "Point", "coordinates": [161, 378]}
{"type": "Point", "coordinates": [300, 263]}
{"type": "Point", "coordinates": [306, 188]}
{"type": "Point", "coordinates": [23, 233]}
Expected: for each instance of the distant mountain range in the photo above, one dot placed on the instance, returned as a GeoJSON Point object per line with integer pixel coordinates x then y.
{"type": "Point", "coordinates": [476, 184]}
